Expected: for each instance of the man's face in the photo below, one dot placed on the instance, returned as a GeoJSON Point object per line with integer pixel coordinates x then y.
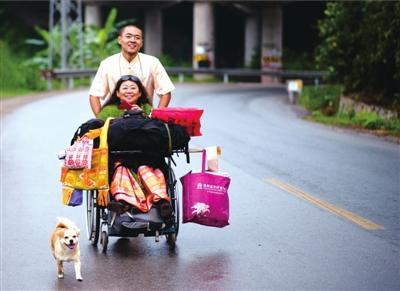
{"type": "Point", "coordinates": [131, 40]}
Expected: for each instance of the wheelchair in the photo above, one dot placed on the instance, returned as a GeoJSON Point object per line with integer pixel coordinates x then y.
{"type": "Point", "coordinates": [101, 223]}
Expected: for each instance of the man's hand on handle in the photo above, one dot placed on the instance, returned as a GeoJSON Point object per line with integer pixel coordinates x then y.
{"type": "Point", "coordinates": [164, 100]}
{"type": "Point", "coordinates": [95, 104]}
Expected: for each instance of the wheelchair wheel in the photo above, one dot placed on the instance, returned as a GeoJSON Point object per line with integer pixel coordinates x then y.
{"type": "Point", "coordinates": [174, 194]}
{"type": "Point", "coordinates": [171, 240]}
{"type": "Point", "coordinates": [175, 206]}
{"type": "Point", "coordinates": [104, 241]}
{"type": "Point", "coordinates": [92, 217]}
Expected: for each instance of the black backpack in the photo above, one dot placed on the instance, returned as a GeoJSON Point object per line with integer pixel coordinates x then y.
{"type": "Point", "coordinates": [93, 123]}
{"type": "Point", "coordinates": [133, 131]}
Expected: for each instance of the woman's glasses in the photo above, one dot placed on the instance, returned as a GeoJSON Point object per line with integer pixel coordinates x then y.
{"type": "Point", "coordinates": [130, 78]}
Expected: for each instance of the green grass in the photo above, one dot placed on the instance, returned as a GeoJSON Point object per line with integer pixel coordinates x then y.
{"type": "Point", "coordinates": [323, 102]}
{"type": "Point", "coordinates": [323, 97]}
{"type": "Point", "coordinates": [9, 93]}
{"type": "Point", "coordinates": [16, 77]}
{"type": "Point", "coordinates": [361, 120]}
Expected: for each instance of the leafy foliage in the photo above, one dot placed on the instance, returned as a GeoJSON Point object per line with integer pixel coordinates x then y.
{"type": "Point", "coordinates": [21, 76]}
{"type": "Point", "coordinates": [298, 61]}
{"type": "Point", "coordinates": [100, 42]}
{"type": "Point", "coordinates": [14, 75]}
{"type": "Point", "coordinates": [169, 61]}
{"type": "Point", "coordinates": [97, 44]}
{"type": "Point", "coordinates": [324, 98]}
{"type": "Point", "coordinates": [369, 120]}
{"type": "Point", "coordinates": [363, 120]}
{"type": "Point", "coordinates": [361, 48]}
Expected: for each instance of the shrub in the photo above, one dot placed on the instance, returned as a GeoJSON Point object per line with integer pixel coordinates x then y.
{"type": "Point", "coordinates": [324, 98]}
{"type": "Point", "coordinates": [393, 125]}
{"type": "Point", "coordinates": [363, 119]}
{"type": "Point", "coordinates": [169, 61]}
{"type": "Point", "coordinates": [360, 47]}
{"type": "Point", "coordinates": [99, 42]}
{"type": "Point", "coordinates": [15, 74]}
{"type": "Point", "coordinates": [298, 61]}
{"type": "Point", "coordinates": [369, 120]}
{"type": "Point", "coordinates": [10, 75]}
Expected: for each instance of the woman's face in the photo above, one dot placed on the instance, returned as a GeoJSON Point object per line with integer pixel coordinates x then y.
{"type": "Point", "coordinates": [129, 92]}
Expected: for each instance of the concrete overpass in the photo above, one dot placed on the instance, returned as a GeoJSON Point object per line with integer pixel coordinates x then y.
{"type": "Point", "coordinates": [262, 31]}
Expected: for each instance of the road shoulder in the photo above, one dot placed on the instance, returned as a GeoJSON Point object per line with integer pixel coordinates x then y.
{"type": "Point", "coordinates": [8, 105]}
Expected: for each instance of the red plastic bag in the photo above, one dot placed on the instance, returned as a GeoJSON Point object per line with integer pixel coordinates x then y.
{"type": "Point", "coordinates": [188, 118]}
{"type": "Point", "coordinates": [205, 198]}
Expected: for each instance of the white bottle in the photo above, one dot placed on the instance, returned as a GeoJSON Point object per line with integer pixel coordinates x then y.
{"type": "Point", "coordinates": [213, 154]}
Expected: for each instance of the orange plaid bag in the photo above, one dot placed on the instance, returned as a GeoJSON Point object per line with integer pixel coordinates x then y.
{"type": "Point", "coordinates": [95, 178]}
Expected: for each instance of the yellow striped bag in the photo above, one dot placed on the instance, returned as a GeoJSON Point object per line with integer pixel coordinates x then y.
{"type": "Point", "coordinates": [95, 178]}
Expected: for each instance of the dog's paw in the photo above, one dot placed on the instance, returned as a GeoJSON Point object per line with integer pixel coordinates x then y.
{"type": "Point", "coordinates": [60, 276]}
{"type": "Point", "coordinates": [80, 279]}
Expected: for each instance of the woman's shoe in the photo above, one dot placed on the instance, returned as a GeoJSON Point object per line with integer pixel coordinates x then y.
{"type": "Point", "coordinates": [118, 207]}
{"type": "Point", "coordinates": [166, 212]}
{"type": "Point", "coordinates": [165, 209]}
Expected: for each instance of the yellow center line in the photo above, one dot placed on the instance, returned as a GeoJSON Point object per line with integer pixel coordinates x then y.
{"type": "Point", "coordinates": [363, 222]}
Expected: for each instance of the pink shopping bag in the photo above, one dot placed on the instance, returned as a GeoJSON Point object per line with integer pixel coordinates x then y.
{"type": "Point", "coordinates": [205, 197]}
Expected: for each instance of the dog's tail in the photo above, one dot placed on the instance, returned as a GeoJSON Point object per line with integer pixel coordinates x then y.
{"type": "Point", "coordinates": [65, 223]}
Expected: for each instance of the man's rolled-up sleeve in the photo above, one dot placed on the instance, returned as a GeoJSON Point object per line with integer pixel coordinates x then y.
{"type": "Point", "coordinates": [99, 86]}
{"type": "Point", "coordinates": [162, 82]}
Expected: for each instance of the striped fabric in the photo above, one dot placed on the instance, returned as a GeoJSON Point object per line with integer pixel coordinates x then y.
{"type": "Point", "coordinates": [125, 187]}
{"type": "Point", "coordinates": [154, 182]}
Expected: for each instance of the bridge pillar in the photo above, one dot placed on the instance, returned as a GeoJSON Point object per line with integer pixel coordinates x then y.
{"type": "Point", "coordinates": [153, 32]}
{"type": "Point", "coordinates": [93, 14]}
{"type": "Point", "coordinates": [252, 39]}
{"type": "Point", "coordinates": [271, 39]}
{"type": "Point", "coordinates": [203, 35]}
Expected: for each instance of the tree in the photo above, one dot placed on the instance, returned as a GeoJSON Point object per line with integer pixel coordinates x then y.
{"type": "Point", "coordinates": [361, 48]}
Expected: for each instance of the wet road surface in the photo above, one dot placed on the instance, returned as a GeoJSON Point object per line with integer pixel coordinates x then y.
{"type": "Point", "coordinates": [276, 240]}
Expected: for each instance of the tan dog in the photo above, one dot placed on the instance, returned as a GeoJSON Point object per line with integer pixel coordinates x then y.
{"type": "Point", "coordinates": [65, 246]}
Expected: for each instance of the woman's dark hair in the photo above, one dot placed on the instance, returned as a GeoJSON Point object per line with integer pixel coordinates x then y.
{"type": "Point", "coordinates": [114, 98]}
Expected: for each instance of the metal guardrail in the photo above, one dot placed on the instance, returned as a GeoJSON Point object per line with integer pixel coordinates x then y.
{"type": "Point", "coordinates": [70, 74]}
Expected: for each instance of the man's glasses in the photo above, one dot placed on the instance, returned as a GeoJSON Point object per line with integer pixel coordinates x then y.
{"type": "Point", "coordinates": [130, 78]}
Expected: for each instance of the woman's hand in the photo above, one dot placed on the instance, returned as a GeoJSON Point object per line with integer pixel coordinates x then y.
{"type": "Point", "coordinates": [136, 107]}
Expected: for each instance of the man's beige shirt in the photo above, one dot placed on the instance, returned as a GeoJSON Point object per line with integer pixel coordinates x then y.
{"type": "Point", "coordinates": [148, 68]}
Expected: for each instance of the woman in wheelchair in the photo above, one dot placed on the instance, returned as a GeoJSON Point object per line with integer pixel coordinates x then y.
{"type": "Point", "coordinates": [135, 185]}
{"type": "Point", "coordinates": [129, 94]}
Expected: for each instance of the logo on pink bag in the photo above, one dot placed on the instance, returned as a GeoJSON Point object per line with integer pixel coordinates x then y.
{"type": "Point", "coordinates": [200, 209]}
{"type": "Point", "coordinates": [212, 188]}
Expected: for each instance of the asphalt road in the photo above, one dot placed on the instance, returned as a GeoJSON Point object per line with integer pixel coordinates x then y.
{"type": "Point", "coordinates": [312, 207]}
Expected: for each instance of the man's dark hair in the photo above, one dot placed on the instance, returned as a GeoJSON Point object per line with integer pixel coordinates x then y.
{"type": "Point", "coordinates": [121, 30]}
